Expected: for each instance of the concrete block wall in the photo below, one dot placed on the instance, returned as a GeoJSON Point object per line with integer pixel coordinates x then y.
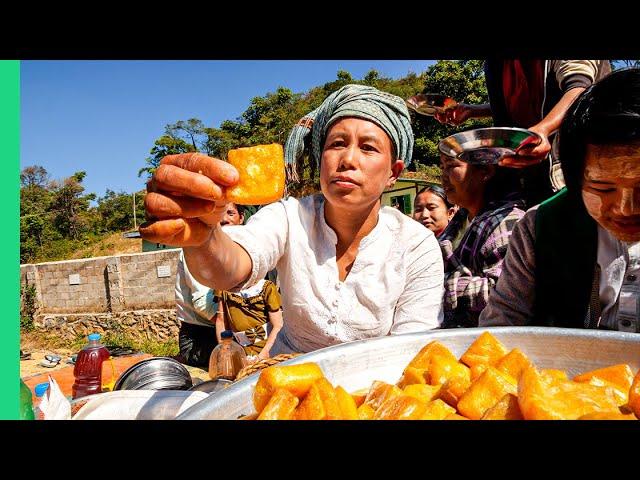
{"type": "Point", "coordinates": [107, 284]}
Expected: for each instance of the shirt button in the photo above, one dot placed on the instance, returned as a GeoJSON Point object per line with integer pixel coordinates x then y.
{"type": "Point", "coordinates": [631, 277]}
{"type": "Point", "coordinates": [335, 302]}
{"type": "Point", "coordinates": [626, 323]}
{"type": "Point", "coordinates": [337, 286]}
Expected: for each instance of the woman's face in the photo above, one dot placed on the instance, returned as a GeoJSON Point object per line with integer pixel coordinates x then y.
{"type": "Point", "coordinates": [611, 188]}
{"type": "Point", "coordinates": [431, 211]}
{"type": "Point", "coordinates": [463, 183]}
{"type": "Point", "coordinates": [357, 163]}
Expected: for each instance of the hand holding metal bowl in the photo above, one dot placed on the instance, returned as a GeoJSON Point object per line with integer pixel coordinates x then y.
{"type": "Point", "coordinates": [488, 146]}
{"type": "Point", "coordinates": [430, 103]}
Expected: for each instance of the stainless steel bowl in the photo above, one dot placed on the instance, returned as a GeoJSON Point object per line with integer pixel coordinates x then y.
{"type": "Point", "coordinates": [487, 146]}
{"type": "Point", "coordinates": [356, 365]}
{"type": "Point", "coordinates": [158, 373]}
{"type": "Point", "coordinates": [430, 103]}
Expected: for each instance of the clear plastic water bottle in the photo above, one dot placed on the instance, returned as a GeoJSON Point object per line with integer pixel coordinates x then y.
{"type": "Point", "coordinates": [227, 359]}
{"type": "Point", "coordinates": [26, 404]}
{"type": "Point", "coordinates": [40, 390]}
{"type": "Point", "coordinates": [88, 368]}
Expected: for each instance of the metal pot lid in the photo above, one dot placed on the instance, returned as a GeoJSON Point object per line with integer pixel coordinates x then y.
{"type": "Point", "coordinates": [163, 372]}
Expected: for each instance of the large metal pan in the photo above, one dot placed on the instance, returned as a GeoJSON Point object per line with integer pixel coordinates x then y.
{"type": "Point", "coordinates": [355, 365]}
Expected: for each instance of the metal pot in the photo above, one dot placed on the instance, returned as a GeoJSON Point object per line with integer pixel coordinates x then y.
{"type": "Point", "coordinates": [356, 365]}
{"type": "Point", "coordinates": [158, 373]}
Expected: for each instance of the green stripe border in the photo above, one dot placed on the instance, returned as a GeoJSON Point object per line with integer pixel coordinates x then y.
{"type": "Point", "coordinates": [10, 238]}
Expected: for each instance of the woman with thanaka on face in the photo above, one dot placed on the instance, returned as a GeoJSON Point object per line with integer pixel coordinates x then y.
{"type": "Point", "coordinates": [574, 260]}
{"type": "Point", "coordinates": [432, 209]}
{"type": "Point", "coordinates": [475, 242]}
{"type": "Point", "coordinates": [348, 269]}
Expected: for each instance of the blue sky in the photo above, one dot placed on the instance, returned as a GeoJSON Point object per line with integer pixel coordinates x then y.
{"type": "Point", "coordinates": [103, 116]}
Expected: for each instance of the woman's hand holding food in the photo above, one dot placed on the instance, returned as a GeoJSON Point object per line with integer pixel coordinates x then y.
{"type": "Point", "coordinates": [186, 198]}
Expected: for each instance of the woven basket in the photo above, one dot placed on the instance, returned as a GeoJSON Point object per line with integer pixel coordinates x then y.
{"type": "Point", "coordinates": [267, 362]}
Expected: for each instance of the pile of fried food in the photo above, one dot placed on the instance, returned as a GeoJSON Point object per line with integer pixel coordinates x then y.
{"type": "Point", "coordinates": [488, 382]}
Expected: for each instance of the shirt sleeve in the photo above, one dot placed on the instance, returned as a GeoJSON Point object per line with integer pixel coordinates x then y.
{"type": "Point", "coordinates": [264, 238]}
{"type": "Point", "coordinates": [512, 301]}
{"type": "Point", "coordinates": [465, 291]}
{"type": "Point", "coordinates": [272, 297]}
{"type": "Point", "coordinates": [203, 301]}
{"type": "Point", "coordinates": [575, 73]}
{"type": "Point", "coordinates": [181, 288]}
{"type": "Point", "coordinates": [419, 308]}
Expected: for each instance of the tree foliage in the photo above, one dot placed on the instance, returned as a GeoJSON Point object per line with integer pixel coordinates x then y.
{"type": "Point", "coordinates": [57, 217]}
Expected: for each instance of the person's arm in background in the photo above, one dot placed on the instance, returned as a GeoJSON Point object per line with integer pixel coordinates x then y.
{"type": "Point", "coordinates": [273, 303]}
{"type": "Point", "coordinates": [463, 112]}
{"type": "Point", "coordinates": [573, 77]}
{"type": "Point", "coordinates": [276, 325]}
{"type": "Point", "coordinates": [220, 321]}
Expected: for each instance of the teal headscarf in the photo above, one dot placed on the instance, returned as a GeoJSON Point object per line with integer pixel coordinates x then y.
{"type": "Point", "coordinates": [387, 111]}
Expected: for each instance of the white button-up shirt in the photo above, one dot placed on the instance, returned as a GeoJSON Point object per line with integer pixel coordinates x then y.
{"type": "Point", "coordinates": [194, 301]}
{"type": "Point", "coordinates": [395, 284]}
{"type": "Point", "coordinates": [619, 282]}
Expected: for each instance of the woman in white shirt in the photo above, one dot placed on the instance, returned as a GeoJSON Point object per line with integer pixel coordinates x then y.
{"type": "Point", "coordinates": [348, 269]}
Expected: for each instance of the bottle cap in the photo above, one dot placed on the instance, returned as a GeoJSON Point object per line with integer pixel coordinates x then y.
{"type": "Point", "coordinates": [226, 334]}
{"type": "Point", "coordinates": [41, 388]}
{"type": "Point", "coordinates": [94, 337]}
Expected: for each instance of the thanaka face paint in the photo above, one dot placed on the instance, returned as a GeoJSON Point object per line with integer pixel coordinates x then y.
{"type": "Point", "coordinates": [611, 188]}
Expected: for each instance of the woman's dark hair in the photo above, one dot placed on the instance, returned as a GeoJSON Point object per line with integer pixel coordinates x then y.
{"type": "Point", "coordinates": [240, 209]}
{"type": "Point", "coordinates": [436, 190]}
{"type": "Point", "coordinates": [608, 112]}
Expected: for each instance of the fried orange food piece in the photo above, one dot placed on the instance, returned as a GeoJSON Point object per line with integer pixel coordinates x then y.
{"type": "Point", "coordinates": [381, 392]}
{"type": "Point", "coordinates": [261, 170]}
{"type": "Point", "coordinates": [359, 396]}
{"type": "Point", "coordinates": [347, 404]}
{"type": "Point", "coordinates": [554, 373]}
{"type": "Point", "coordinates": [423, 357]}
{"type": "Point", "coordinates": [619, 375]}
{"type": "Point", "coordinates": [634, 396]}
{"type": "Point", "coordinates": [455, 416]}
{"type": "Point", "coordinates": [281, 406]}
{"type": "Point", "coordinates": [612, 415]}
{"type": "Point", "coordinates": [424, 393]}
{"type": "Point", "coordinates": [412, 376]}
{"type": "Point", "coordinates": [453, 389]}
{"type": "Point", "coordinates": [329, 399]}
{"type": "Point", "coordinates": [485, 349]}
{"type": "Point", "coordinates": [543, 397]}
{"type": "Point", "coordinates": [514, 363]}
{"type": "Point", "coordinates": [365, 412]}
{"type": "Point", "coordinates": [444, 367]}
{"type": "Point", "coordinates": [507, 408]}
{"type": "Point", "coordinates": [478, 370]}
{"type": "Point", "coordinates": [485, 392]}
{"type": "Point", "coordinates": [437, 410]}
{"type": "Point", "coordinates": [312, 406]}
{"type": "Point", "coordinates": [401, 407]}
{"type": "Point", "coordinates": [297, 379]}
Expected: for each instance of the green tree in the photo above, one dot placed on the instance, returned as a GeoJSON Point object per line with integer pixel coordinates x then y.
{"type": "Point", "coordinates": [71, 215]}
{"type": "Point", "coordinates": [165, 145]}
{"type": "Point", "coordinates": [115, 211]}
{"type": "Point", "coordinates": [462, 80]}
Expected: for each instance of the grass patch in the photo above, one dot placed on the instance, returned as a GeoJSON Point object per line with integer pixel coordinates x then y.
{"type": "Point", "coordinates": [157, 348]}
